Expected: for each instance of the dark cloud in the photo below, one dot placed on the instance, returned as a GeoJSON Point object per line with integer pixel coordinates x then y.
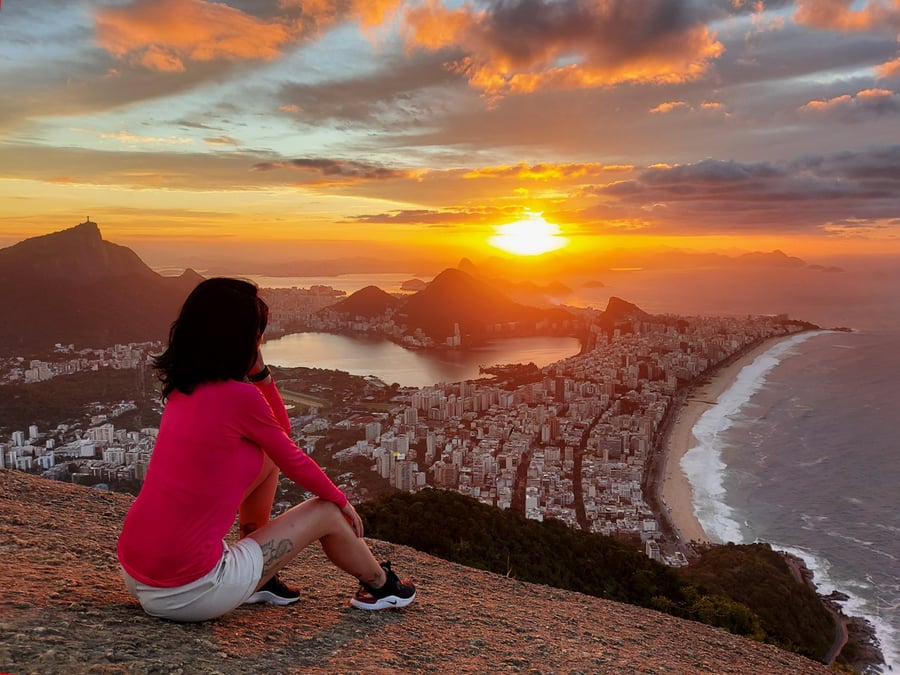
{"type": "Point", "coordinates": [522, 46]}
{"type": "Point", "coordinates": [221, 140]}
{"type": "Point", "coordinates": [860, 107]}
{"type": "Point", "coordinates": [437, 217]}
{"type": "Point", "coordinates": [335, 168]}
{"type": "Point", "coordinates": [143, 50]}
{"type": "Point", "coordinates": [191, 124]}
{"type": "Point", "coordinates": [401, 88]}
{"type": "Point", "coordinates": [413, 217]}
{"type": "Point", "coordinates": [857, 189]}
{"type": "Point", "coordinates": [523, 30]}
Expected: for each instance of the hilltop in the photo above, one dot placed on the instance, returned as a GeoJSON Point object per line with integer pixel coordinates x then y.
{"type": "Point", "coordinates": [64, 609]}
{"type": "Point", "coordinates": [74, 287]}
{"type": "Point", "coordinates": [367, 302]}
{"type": "Point", "coordinates": [479, 309]}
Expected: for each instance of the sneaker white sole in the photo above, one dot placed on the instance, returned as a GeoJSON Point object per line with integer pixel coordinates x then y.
{"type": "Point", "coordinates": [389, 602]}
{"type": "Point", "coordinates": [271, 598]}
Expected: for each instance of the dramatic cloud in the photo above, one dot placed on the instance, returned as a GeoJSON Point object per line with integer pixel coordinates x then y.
{"type": "Point", "coordinates": [852, 189]}
{"type": "Point", "coordinates": [863, 105]}
{"type": "Point", "coordinates": [132, 139]}
{"type": "Point", "coordinates": [441, 218]}
{"type": "Point", "coordinates": [163, 34]}
{"type": "Point", "coordinates": [889, 69]}
{"type": "Point", "coordinates": [336, 168]}
{"type": "Point", "coordinates": [167, 35]}
{"type": "Point", "coordinates": [673, 106]}
{"type": "Point", "coordinates": [368, 13]}
{"type": "Point", "coordinates": [669, 106]}
{"type": "Point", "coordinates": [401, 90]}
{"type": "Point", "coordinates": [521, 46]}
{"type": "Point", "coordinates": [840, 15]}
{"type": "Point", "coordinates": [604, 115]}
{"type": "Point", "coordinates": [545, 172]}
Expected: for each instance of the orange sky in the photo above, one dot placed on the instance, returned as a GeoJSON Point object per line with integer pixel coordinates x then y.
{"type": "Point", "coordinates": [195, 131]}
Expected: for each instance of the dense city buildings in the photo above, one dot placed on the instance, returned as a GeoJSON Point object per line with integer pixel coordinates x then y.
{"type": "Point", "coordinates": [572, 443]}
{"type": "Point", "coordinates": [66, 360]}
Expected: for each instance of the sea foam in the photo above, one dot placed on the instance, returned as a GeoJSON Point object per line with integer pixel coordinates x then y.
{"type": "Point", "coordinates": [854, 606]}
{"type": "Point", "coordinates": [705, 469]}
{"type": "Point", "coordinates": [703, 463]}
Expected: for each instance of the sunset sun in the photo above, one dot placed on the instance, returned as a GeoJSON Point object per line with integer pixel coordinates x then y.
{"type": "Point", "coordinates": [531, 236]}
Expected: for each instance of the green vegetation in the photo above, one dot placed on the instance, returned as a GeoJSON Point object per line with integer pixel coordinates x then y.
{"type": "Point", "coordinates": [63, 399]}
{"type": "Point", "coordinates": [747, 590]}
{"type": "Point", "coordinates": [461, 529]}
{"type": "Point", "coordinates": [788, 609]}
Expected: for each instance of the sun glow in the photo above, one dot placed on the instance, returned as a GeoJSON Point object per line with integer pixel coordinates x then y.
{"type": "Point", "coordinates": [531, 236]}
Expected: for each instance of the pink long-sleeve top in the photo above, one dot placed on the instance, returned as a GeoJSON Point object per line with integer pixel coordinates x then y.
{"type": "Point", "coordinates": [209, 450]}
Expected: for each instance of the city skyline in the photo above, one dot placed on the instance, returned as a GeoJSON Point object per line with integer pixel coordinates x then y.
{"type": "Point", "coordinates": [197, 131]}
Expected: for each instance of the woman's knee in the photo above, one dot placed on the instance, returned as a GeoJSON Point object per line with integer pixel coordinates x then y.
{"type": "Point", "coordinates": [326, 512]}
{"type": "Point", "coordinates": [325, 507]}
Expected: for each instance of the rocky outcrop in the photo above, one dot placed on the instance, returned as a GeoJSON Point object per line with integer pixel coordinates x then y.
{"type": "Point", "coordinates": [63, 609]}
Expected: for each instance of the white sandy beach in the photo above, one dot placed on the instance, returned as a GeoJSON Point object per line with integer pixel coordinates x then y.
{"type": "Point", "coordinates": [676, 488]}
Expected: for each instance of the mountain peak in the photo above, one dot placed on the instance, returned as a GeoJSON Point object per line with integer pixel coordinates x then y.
{"type": "Point", "coordinates": [367, 302]}
{"type": "Point", "coordinates": [88, 229]}
{"type": "Point", "coordinates": [65, 286]}
{"type": "Point", "coordinates": [456, 298]}
{"type": "Point", "coordinates": [78, 255]}
{"type": "Point", "coordinates": [619, 308]}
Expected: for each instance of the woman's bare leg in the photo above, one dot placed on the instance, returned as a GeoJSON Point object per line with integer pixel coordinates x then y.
{"type": "Point", "coordinates": [256, 507]}
{"type": "Point", "coordinates": [284, 537]}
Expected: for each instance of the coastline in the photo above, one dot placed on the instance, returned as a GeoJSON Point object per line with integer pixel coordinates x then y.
{"type": "Point", "coordinates": [856, 639]}
{"type": "Point", "coordinates": [676, 492]}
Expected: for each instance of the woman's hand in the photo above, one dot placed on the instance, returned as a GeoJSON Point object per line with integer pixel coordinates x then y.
{"type": "Point", "coordinates": [259, 371]}
{"type": "Point", "coordinates": [353, 518]}
{"type": "Point", "coordinates": [258, 365]}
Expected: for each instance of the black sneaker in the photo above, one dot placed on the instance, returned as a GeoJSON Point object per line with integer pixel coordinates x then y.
{"type": "Point", "coordinates": [276, 592]}
{"type": "Point", "coordinates": [394, 593]}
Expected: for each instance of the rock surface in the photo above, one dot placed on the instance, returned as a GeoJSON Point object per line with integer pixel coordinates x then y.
{"type": "Point", "coordinates": [63, 608]}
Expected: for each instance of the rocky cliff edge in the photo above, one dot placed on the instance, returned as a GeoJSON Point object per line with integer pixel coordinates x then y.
{"type": "Point", "coordinates": [63, 609]}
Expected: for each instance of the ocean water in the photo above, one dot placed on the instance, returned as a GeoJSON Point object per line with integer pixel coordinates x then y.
{"type": "Point", "coordinates": [803, 452]}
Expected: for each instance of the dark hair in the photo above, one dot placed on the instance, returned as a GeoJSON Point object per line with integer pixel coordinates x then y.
{"type": "Point", "coordinates": [215, 336]}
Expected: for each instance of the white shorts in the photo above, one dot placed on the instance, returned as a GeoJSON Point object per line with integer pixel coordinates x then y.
{"type": "Point", "coordinates": [226, 586]}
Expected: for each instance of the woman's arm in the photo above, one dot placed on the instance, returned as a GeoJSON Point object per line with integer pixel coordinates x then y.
{"type": "Point", "coordinates": [261, 376]}
{"type": "Point", "coordinates": [264, 420]}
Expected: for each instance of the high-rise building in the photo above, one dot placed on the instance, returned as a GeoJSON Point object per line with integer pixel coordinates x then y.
{"type": "Point", "coordinates": [105, 433]}
{"type": "Point", "coordinates": [373, 431]}
{"type": "Point", "coordinates": [410, 416]}
{"type": "Point", "coordinates": [402, 475]}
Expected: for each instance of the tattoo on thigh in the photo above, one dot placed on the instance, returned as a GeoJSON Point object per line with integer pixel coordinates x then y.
{"type": "Point", "coordinates": [272, 552]}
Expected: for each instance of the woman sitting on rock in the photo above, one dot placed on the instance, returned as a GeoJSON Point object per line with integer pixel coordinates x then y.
{"type": "Point", "coordinates": [223, 437]}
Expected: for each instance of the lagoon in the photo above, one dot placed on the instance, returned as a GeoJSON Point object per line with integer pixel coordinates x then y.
{"type": "Point", "coordinates": [388, 361]}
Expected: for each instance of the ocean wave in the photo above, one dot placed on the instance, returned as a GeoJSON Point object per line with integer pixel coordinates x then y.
{"type": "Point", "coordinates": [815, 462]}
{"type": "Point", "coordinates": [736, 420]}
{"type": "Point", "coordinates": [811, 522]}
{"type": "Point", "coordinates": [703, 463]}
